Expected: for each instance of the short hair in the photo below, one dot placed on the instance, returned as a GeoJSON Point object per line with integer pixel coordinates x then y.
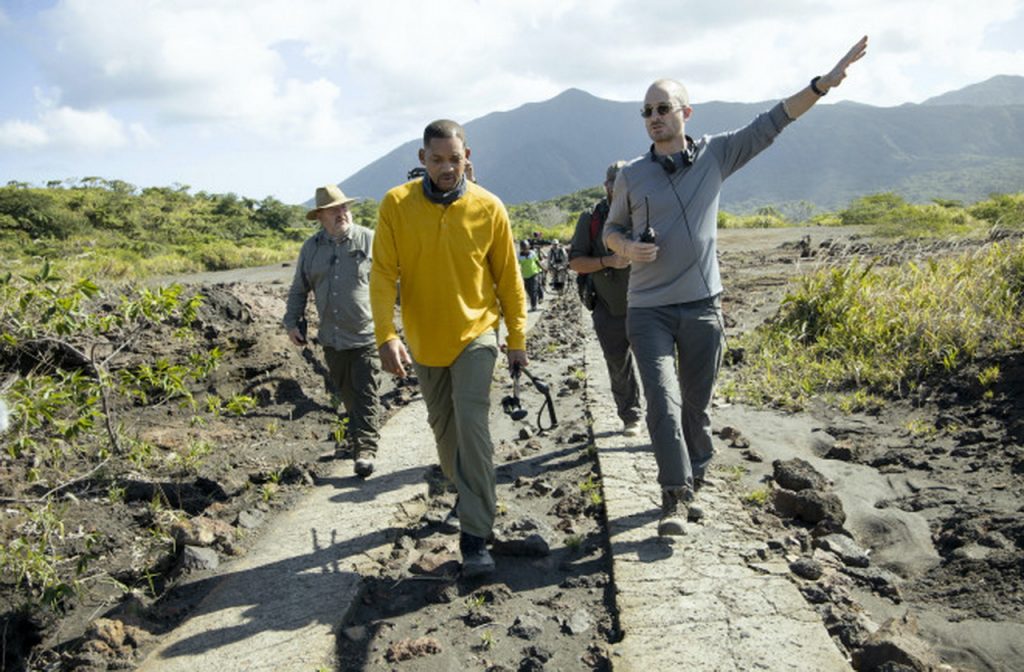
{"type": "Point", "coordinates": [443, 128]}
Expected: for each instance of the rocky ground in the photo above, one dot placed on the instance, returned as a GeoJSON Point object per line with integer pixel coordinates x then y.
{"type": "Point", "coordinates": [939, 545]}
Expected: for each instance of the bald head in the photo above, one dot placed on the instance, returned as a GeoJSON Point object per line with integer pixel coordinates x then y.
{"type": "Point", "coordinates": [674, 90]}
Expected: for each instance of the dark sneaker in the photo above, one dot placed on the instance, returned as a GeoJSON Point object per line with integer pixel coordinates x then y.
{"type": "Point", "coordinates": [476, 560]}
{"type": "Point", "coordinates": [694, 513]}
{"type": "Point", "coordinates": [674, 503]}
{"type": "Point", "coordinates": [364, 464]}
{"type": "Point", "coordinates": [631, 428]}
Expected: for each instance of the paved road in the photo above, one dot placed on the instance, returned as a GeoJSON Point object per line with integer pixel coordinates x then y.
{"type": "Point", "coordinates": [692, 604]}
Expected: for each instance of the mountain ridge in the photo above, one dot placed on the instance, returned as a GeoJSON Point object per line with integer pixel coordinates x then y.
{"type": "Point", "coordinates": [833, 154]}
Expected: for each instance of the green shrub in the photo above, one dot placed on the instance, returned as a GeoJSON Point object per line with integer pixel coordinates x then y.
{"type": "Point", "coordinates": [872, 333]}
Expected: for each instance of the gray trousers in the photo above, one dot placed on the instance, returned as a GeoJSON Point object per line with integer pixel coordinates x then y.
{"type": "Point", "coordinates": [458, 400]}
{"type": "Point", "coordinates": [678, 349]}
{"type": "Point", "coordinates": [611, 334]}
{"type": "Point", "coordinates": [356, 376]}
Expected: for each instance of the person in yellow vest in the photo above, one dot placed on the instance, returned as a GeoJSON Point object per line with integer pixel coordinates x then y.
{"type": "Point", "coordinates": [446, 245]}
{"type": "Point", "coordinates": [531, 269]}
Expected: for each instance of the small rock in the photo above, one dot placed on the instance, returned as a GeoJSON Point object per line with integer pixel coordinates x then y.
{"type": "Point", "coordinates": [529, 626]}
{"type": "Point", "coordinates": [813, 593]}
{"type": "Point", "coordinates": [250, 519]}
{"type": "Point", "coordinates": [201, 531]}
{"type": "Point", "coordinates": [810, 506]}
{"type": "Point", "coordinates": [896, 645]}
{"type": "Point", "coordinates": [969, 437]}
{"type": "Point", "coordinates": [198, 558]}
{"type": "Point", "coordinates": [797, 474]}
{"type": "Point", "coordinates": [531, 545]}
{"type": "Point", "coordinates": [821, 441]}
{"type": "Point", "coordinates": [579, 622]}
{"type": "Point", "coordinates": [751, 455]}
{"type": "Point", "coordinates": [525, 433]}
{"type": "Point", "coordinates": [882, 581]}
{"type": "Point", "coordinates": [435, 564]}
{"type": "Point", "coordinates": [541, 487]}
{"type": "Point", "coordinates": [806, 568]}
{"type": "Point", "coordinates": [477, 617]}
{"type": "Point", "coordinates": [843, 451]}
{"type": "Point", "coordinates": [845, 549]}
{"type": "Point", "coordinates": [407, 649]}
{"type": "Point", "coordinates": [728, 433]}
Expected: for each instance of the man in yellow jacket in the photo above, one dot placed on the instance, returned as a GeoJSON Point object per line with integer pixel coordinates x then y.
{"type": "Point", "coordinates": [447, 244]}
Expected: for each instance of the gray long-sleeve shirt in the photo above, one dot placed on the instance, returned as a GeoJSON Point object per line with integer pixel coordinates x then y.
{"type": "Point", "coordinates": [338, 274]}
{"type": "Point", "coordinates": [682, 208]}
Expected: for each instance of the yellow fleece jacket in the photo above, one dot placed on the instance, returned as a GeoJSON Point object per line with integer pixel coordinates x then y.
{"type": "Point", "coordinates": [456, 268]}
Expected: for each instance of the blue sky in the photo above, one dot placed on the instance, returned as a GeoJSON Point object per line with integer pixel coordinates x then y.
{"type": "Point", "coordinates": [274, 97]}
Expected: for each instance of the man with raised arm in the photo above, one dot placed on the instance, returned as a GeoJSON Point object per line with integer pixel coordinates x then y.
{"type": "Point", "coordinates": [663, 218]}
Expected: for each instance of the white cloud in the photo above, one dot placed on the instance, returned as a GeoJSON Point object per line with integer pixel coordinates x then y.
{"type": "Point", "coordinates": [350, 79]}
{"type": "Point", "coordinates": [67, 128]}
{"type": "Point", "coordinates": [22, 135]}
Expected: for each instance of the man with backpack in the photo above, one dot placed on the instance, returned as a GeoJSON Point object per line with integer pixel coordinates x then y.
{"type": "Point", "coordinates": [606, 278]}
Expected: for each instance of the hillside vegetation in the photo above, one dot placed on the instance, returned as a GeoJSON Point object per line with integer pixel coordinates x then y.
{"type": "Point", "coordinates": [111, 229]}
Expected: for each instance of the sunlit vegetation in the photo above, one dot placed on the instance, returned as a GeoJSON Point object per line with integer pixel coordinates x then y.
{"type": "Point", "coordinates": [860, 334]}
{"type": "Point", "coordinates": [111, 229]}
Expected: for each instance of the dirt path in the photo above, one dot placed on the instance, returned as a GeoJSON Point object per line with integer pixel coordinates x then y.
{"type": "Point", "coordinates": [933, 520]}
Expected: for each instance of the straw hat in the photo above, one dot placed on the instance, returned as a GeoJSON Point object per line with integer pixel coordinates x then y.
{"type": "Point", "coordinates": [328, 197]}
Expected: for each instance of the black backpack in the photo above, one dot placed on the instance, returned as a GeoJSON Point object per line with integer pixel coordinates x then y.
{"type": "Point", "coordinates": [585, 283]}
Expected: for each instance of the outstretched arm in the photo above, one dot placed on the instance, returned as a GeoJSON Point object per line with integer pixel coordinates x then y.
{"type": "Point", "coordinates": [804, 99]}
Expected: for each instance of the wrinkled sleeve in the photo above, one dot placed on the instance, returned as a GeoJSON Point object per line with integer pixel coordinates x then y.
{"type": "Point", "coordinates": [384, 274]}
{"type": "Point", "coordinates": [295, 307]}
{"type": "Point", "coordinates": [508, 280]}
{"type": "Point", "coordinates": [580, 244]}
{"type": "Point", "coordinates": [744, 144]}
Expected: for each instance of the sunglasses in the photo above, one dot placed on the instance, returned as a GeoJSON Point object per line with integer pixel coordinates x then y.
{"type": "Point", "coordinates": [661, 108]}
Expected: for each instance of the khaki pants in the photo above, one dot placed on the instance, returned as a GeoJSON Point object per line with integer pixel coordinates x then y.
{"type": "Point", "coordinates": [458, 400]}
{"type": "Point", "coordinates": [356, 376]}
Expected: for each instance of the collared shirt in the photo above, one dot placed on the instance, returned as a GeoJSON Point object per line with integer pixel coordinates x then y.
{"type": "Point", "coordinates": [682, 208]}
{"type": "Point", "coordinates": [456, 265]}
{"type": "Point", "coordinates": [338, 274]}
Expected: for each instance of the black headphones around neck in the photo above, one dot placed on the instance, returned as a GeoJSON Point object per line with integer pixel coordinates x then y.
{"type": "Point", "coordinates": [668, 162]}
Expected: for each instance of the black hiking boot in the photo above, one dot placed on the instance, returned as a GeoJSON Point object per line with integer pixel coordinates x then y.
{"type": "Point", "coordinates": [476, 560]}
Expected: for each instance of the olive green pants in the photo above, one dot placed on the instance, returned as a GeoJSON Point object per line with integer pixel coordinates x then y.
{"type": "Point", "coordinates": [458, 400]}
{"type": "Point", "coordinates": [356, 376]}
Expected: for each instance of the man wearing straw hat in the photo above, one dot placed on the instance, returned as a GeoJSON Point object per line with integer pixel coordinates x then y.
{"type": "Point", "coordinates": [334, 263]}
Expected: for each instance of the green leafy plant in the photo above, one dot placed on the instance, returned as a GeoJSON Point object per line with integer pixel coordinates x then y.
{"type": "Point", "coordinates": [757, 497]}
{"type": "Point", "coordinates": [863, 334]}
{"type": "Point", "coordinates": [592, 490]}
